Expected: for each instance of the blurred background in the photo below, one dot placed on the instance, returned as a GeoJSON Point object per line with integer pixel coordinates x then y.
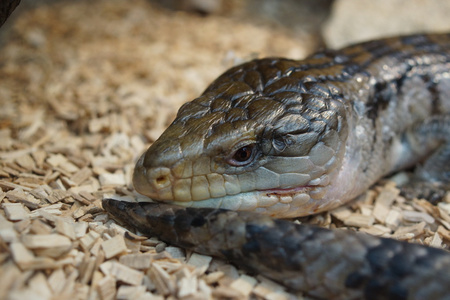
{"type": "Point", "coordinates": [96, 65]}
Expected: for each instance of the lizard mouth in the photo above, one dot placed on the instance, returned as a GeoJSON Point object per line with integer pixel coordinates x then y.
{"type": "Point", "coordinates": [280, 203]}
{"type": "Point", "coordinates": [287, 192]}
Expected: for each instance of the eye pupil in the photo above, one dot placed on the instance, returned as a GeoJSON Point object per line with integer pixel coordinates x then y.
{"type": "Point", "coordinates": [243, 154]}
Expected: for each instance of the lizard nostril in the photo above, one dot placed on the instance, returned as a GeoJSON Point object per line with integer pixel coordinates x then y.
{"type": "Point", "coordinates": [161, 180]}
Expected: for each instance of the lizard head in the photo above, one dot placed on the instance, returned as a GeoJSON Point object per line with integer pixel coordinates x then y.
{"type": "Point", "coordinates": [250, 142]}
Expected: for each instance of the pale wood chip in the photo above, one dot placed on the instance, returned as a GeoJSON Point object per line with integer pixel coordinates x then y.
{"type": "Point", "coordinates": [224, 292]}
{"type": "Point", "coordinates": [56, 280]}
{"type": "Point", "coordinates": [38, 226]}
{"type": "Point", "coordinates": [266, 287]}
{"type": "Point", "coordinates": [48, 212]}
{"type": "Point", "coordinates": [393, 219]}
{"type": "Point", "coordinates": [130, 292]}
{"type": "Point", "coordinates": [87, 195]}
{"type": "Point", "coordinates": [8, 235]}
{"type": "Point", "coordinates": [61, 161]}
{"type": "Point", "coordinates": [40, 192]}
{"type": "Point", "coordinates": [15, 211]}
{"type": "Point", "coordinates": [415, 216]}
{"type": "Point", "coordinates": [114, 246]}
{"type": "Point", "coordinates": [446, 198]}
{"type": "Point", "coordinates": [80, 229]}
{"type": "Point", "coordinates": [2, 195]}
{"type": "Point", "coordinates": [244, 284]}
{"type": "Point", "coordinates": [26, 260]}
{"type": "Point", "coordinates": [51, 245]}
{"type": "Point", "coordinates": [18, 195]}
{"type": "Point", "coordinates": [231, 274]}
{"type": "Point", "coordinates": [81, 175]}
{"type": "Point", "coordinates": [150, 296]}
{"type": "Point", "coordinates": [444, 209]}
{"type": "Point", "coordinates": [83, 210]}
{"type": "Point", "coordinates": [95, 249]}
{"type": "Point", "coordinates": [384, 201]}
{"type": "Point", "coordinates": [64, 227]}
{"type": "Point", "coordinates": [359, 220]}
{"type": "Point", "coordinates": [88, 240]}
{"type": "Point", "coordinates": [409, 232]}
{"type": "Point", "coordinates": [377, 230]}
{"type": "Point", "coordinates": [341, 213]}
{"type": "Point", "coordinates": [26, 162]}
{"type": "Point", "coordinates": [436, 241]}
{"type": "Point", "coordinates": [164, 283]}
{"type": "Point", "coordinates": [39, 156]}
{"type": "Point", "coordinates": [4, 173]}
{"type": "Point", "coordinates": [282, 296]}
{"type": "Point", "coordinates": [10, 172]}
{"type": "Point", "coordinates": [4, 223]}
{"type": "Point", "coordinates": [6, 185]}
{"type": "Point", "coordinates": [444, 232]}
{"type": "Point", "coordinates": [106, 288]}
{"type": "Point", "coordinates": [8, 277]}
{"type": "Point", "coordinates": [122, 272]}
{"type": "Point", "coordinates": [134, 237]}
{"type": "Point", "coordinates": [137, 261]}
{"type": "Point", "coordinates": [112, 179]}
{"type": "Point", "coordinates": [88, 270]}
{"type": "Point", "coordinates": [39, 285]}
{"type": "Point", "coordinates": [213, 277]}
{"type": "Point", "coordinates": [201, 262]}
{"type": "Point", "coordinates": [169, 265]}
{"type": "Point", "coordinates": [175, 252]}
{"type": "Point", "coordinates": [80, 199]}
{"type": "Point", "coordinates": [187, 286]}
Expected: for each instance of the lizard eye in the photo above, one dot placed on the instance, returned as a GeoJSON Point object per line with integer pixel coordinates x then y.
{"type": "Point", "coordinates": [243, 156]}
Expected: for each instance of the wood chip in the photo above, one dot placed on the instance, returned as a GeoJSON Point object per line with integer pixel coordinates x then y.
{"type": "Point", "coordinates": [213, 277]}
{"type": "Point", "coordinates": [137, 261]}
{"type": "Point", "coordinates": [444, 232]}
{"type": "Point", "coordinates": [393, 219]}
{"type": "Point", "coordinates": [409, 232]}
{"type": "Point", "coordinates": [244, 285]}
{"type": "Point", "coordinates": [165, 284]}
{"type": "Point", "coordinates": [383, 203]}
{"type": "Point", "coordinates": [416, 216]}
{"type": "Point", "coordinates": [112, 179]}
{"type": "Point", "coordinates": [359, 220]}
{"type": "Point", "coordinates": [187, 286]}
{"type": "Point", "coordinates": [81, 175]}
{"type": "Point", "coordinates": [57, 280]}
{"type": "Point", "coordinates": [175, 252]}
{"type": "Point", "coordinates": [114, 246]}
{"type": "Point", "coordinates": [130, 292]}
{"type": "Point", "coordinates": [88, 240]}
{"type": "Point", "coordinates": [15, 211]}
{"type": "Point", "coordinates": [18, 195]}
{"type": "Point", "coordinates": [107, 288]}
{"type": "Point", "coordinates": [65, 228]}
{"type": "Point", "coordinates": [199, 261]}
{"type": "Point", "coordinates": [122, 272]}
{"type": "Point", "coordinates": [26, 162]}
{"type": "Point", "coordinates": [52, 245]}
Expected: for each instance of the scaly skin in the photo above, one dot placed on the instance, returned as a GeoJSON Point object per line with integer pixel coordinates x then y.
{"type": "Point", "coordinates": [290, 138]}
{"type": "Point", "coordinates": [328, 264]}
{"type": "Point", "coordinates": [318, 132]}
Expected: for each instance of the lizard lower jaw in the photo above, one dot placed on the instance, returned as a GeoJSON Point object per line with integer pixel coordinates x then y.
{"type": "Point", "coordinates": [280, 203]}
